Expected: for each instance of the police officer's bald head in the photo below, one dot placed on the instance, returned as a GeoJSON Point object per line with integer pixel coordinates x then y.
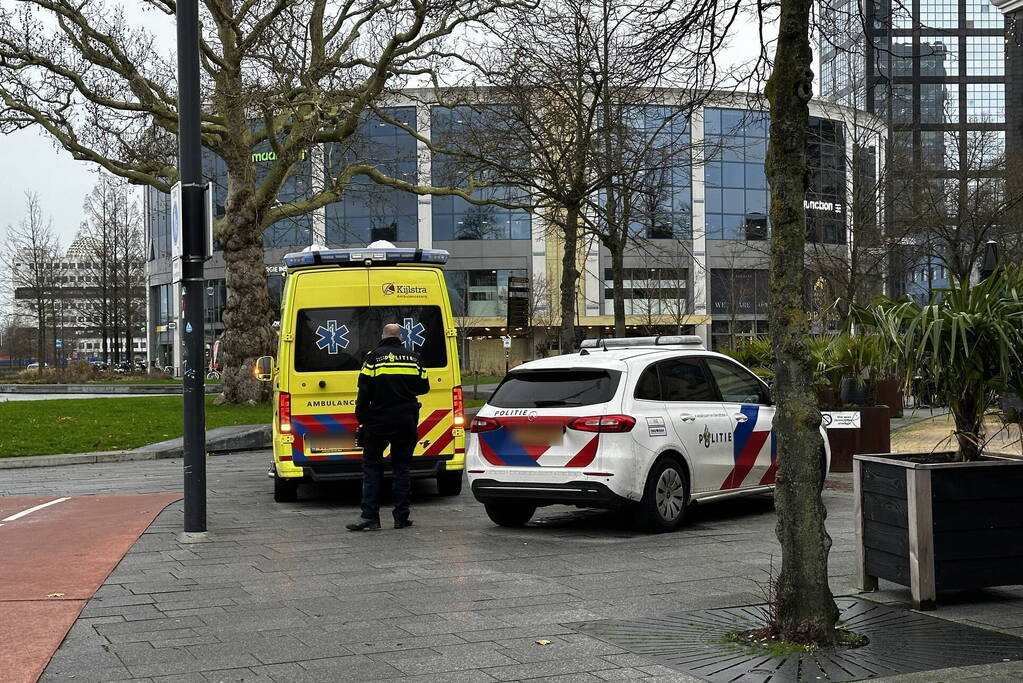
{"type": "Point", "coordinates": [391, 330]}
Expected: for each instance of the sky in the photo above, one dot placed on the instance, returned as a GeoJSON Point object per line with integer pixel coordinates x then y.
{"type": "Point", "coordinates": [33, 163]}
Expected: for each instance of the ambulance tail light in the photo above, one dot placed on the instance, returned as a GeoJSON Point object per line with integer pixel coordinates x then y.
{"type": "Point", "coordinates": [459, 406]}
{"type": "Point", "coordinates": [483, 424]}
{"type": "Point", "coordinates": [603, 423]}
{"type": "Point", "coordinates": [284, 412]}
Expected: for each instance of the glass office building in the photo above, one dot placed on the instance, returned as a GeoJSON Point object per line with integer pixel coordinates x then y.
{"type": "Point", "coordinates": [698, 261]}
{"type": "Point", "coordinates": [934, 71]}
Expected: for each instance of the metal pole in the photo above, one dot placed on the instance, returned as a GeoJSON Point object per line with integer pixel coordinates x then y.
{"type": "Point", "coordinates": [192, 290]}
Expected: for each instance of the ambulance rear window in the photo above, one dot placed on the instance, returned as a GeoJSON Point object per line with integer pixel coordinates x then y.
{"type": "Point", "coordinates": [555, 388]}
{"type": "Point", "coordinates": [337, 339]}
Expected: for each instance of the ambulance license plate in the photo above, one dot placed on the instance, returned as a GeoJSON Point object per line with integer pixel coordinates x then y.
{"type": "Point", "coordinates": [331, 443]}
{"type": "Point", "coordinates": [539, 436]}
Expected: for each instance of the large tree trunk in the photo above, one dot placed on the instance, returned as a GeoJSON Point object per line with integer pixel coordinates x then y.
{"type": "Point", "coordinates": [806, 607]}
{"type": "Point", "coordinates": [248, 316]}
{"type": "Point", "coordinates": [569, 279]}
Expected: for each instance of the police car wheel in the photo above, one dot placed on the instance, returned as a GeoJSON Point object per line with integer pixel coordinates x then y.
{"type": "Point", "coordinates": [664, 499]}
{"type": "Point", "coordinates": [449, 482]}
{"type": "Point", "coordinates": [285, 491]}
{"type": "Point", "coordinates": [510, 514]}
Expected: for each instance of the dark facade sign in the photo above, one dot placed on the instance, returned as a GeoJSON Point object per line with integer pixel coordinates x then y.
{"type": "Point", "coordinates": [518, 302]}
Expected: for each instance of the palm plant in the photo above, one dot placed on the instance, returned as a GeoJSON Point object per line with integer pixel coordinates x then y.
{"type": "Point", "coordinates": [969, 341]}
{"type": "Point", "coordinates": [756, 353]}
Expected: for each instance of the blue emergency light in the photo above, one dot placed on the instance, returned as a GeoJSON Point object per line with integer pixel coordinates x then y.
{"type": "Point", "coordinates": [367, 256]}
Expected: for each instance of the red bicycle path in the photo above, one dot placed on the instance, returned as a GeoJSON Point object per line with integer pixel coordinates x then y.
{"type": "Point", "coordinates": [53, 560]}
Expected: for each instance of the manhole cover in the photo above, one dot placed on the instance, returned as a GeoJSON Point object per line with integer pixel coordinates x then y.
{"type": "Point", "coordinates": [900, 642]}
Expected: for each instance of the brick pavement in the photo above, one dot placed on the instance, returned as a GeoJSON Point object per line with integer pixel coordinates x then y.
{"type": "Point", "coordinates": [284, 593]}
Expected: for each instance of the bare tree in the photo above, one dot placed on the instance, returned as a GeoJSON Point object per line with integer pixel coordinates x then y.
{"type": "Point", "coordinates": [543, 314]}
{"type": "Point", "coordinates": [954, 217]}
{"type": "Point", "coordinates": [279, 77]}
{"type": "Point", "coordinates": [32, 261]}
{"type": "Point", "coordinates": [562, 84]}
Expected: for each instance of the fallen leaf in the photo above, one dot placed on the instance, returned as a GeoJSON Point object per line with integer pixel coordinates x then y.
{"type": "Point", "coordinates": [543, 642]}
{"type": "Point", "coordinates": [55, 595]}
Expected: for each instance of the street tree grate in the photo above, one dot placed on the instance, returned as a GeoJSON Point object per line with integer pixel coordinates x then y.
{"type": "Point", "coordinates": [900, 642]}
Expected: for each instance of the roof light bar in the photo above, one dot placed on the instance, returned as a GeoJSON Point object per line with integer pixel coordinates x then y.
{"type": "Point", "coordinates": [367, 257]}
{"type": "Point", "coordinates": [690, 340]}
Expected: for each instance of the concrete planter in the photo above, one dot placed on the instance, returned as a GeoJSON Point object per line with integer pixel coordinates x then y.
{"type": "Point", "coordinates": [932, 524]}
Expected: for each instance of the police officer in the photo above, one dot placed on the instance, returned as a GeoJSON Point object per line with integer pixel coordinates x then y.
{"type": "Point", "coordinates": [388, 413]}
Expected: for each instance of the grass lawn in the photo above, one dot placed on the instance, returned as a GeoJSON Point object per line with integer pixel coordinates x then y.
{"type": "Point", "coordinates": [170, 381]}
{"type": "Point", "coordinates": [936, 434]}
{"type": "Point", "coordinates": [110, 424]}
{"type": "Point", "coordinates": [105, 424]}
{"type": "Point", "coordinates": [467, 380]}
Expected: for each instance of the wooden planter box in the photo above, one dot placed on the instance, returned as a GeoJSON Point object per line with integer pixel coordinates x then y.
{"type": "Point", "coordinates": [937, 526]}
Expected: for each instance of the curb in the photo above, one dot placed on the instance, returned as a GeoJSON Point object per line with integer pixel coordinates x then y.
{"type": "Point", "coordinates": [219, 440]}
{"type": "Point", "coordinates": [113, 389]}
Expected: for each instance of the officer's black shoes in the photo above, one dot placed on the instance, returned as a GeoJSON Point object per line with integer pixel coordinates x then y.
{"type": "Point", "coordinates": [402, 523]}
{"type": "Point", "coordinates": [364, 525]}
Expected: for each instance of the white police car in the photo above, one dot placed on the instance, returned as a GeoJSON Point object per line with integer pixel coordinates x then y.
{"type": "Point", "coordinates": [649, 423]}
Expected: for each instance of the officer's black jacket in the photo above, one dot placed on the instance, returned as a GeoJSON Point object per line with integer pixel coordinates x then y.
{"type": "Point", "coordinates": [391, 379]}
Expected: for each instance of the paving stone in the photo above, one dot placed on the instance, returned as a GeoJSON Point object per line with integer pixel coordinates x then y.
{"type": "Point", "coordinates": [559, 667]}
{"type": "Point", "coordinates": [457, 600]}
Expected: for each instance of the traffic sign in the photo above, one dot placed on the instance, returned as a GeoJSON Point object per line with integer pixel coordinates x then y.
{"type": "Point", "coordinates": [176, 221]}
{"type": "Point", "coordinates": [59, 343]}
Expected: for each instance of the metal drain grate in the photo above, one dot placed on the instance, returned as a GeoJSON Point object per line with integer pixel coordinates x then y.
{"type": "Point", "coordinates": [900, 642]}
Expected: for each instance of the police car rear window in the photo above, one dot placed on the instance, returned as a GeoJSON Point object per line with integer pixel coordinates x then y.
{"type": "Point", "coordinates": [555, 388]}
{"type": "Point", "coordinates": [337, 339]}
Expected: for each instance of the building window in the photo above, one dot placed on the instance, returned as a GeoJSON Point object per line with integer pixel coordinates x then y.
{"type": "Point", "coordinates": [480, 293]}
{"type": "Point", "coordinates": [661, 204]}
{"type": "Point", "coordinates": [938, 14]}
{"type": "Point", "coordinates": [985, 102]}
{"type": "Point", "coordinates": [216, 301]}
{"type": "Point", "coordinates": [985, 56]}
{"type": "Point", "coordinates": [650, 291]}
{"type": "Point", "coordinates": [738, 291]}
{"type": "Point", "coordinates": [736, 186]}
{"type": "Point", "coordinates": [982, 14]}
{"type": "Point", "coordinates": [939, 56]}
{"type": "Point", "coordinates": [158, 217]}
{"type": "Point", "coordinates": [453, 217]}
{"type": "Point", "coordinates": [370, 212]}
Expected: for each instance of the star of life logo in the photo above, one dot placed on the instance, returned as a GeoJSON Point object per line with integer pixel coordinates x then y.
{"type": "Point", "coordinates": [412, 334]}
{"type": "Point", "coordinates": [331, 337]}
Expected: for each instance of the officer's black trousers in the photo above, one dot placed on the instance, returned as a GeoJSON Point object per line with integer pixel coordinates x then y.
{"type": "Point", "coordinates": [401, 436]}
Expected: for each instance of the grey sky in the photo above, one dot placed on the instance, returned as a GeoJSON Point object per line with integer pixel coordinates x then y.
{"type": "Point", "coordinates": [32, 163]}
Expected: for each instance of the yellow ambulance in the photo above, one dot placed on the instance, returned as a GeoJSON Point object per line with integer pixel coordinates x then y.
{"type": "Point", "coordinates": [334, 306]}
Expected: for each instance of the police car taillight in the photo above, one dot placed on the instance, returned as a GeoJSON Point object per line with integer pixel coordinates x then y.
{"type": "Point", "coordinates": [603, 423]}
{"type": "Point", "coordinates": [459, 406]}
{"type": "Point", "coordinates": [284, 412]}
{"type": "Point", "coordinates": [483, 424]}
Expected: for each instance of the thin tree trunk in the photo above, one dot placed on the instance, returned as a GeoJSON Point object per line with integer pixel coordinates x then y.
{"type": "Point", "coordinates": [806, 607]}
{"type": "Point", "coordinates": [617, 286]}
{"type": "Point", "coordinates": [569, 278]}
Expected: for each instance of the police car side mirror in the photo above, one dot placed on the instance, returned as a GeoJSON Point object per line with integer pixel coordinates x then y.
{"type": "Point", "coordinates": [264, 369]}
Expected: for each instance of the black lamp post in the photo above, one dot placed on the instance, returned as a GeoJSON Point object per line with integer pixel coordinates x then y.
{"type": "Point", "coordinates": [194, 250]}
